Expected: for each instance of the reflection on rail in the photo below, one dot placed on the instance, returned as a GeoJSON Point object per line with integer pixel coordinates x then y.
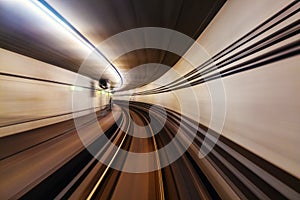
{"type": "Point", "coordinates": [51, 162]}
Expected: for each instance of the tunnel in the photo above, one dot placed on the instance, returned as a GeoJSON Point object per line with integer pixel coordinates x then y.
{"type": "Point", "coordinates": [160, 99]}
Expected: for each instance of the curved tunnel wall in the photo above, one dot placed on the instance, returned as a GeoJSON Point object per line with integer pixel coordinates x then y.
{"type": "Point", "coordinates": [39, 94]}
{"type": "Point", "coordinates": [260, 79]}
{"type": "Point", "coordinates": [262, 104]}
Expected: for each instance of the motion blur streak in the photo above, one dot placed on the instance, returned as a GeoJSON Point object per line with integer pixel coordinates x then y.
{"type": "Point", "coordinates": [160, 99]}
{"type": "Point", "coordinates": [48, 10]}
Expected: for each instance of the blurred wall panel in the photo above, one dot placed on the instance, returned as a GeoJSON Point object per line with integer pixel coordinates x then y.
{"type": "Point", "coordinates": [35, 94]}
{"type": "Point", "coordinates": [262, 104]}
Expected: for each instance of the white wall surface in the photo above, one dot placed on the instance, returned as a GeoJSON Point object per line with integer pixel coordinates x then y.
{"type": "Point", "coordinates": [263, 104]}
{"type": "Point", "coordinates": [23, 100]}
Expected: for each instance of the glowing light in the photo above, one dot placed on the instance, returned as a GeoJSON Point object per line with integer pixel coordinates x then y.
{"type": "Point", "coordinates": [72, 87]}
{"type": "Point", "coordinates": [76, 88]}
{"type": "Point", "coordinates": [67, 26]}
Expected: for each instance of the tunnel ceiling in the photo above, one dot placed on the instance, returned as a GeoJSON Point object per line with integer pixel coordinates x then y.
{"type": "Point", "coordinates": [97, 20]}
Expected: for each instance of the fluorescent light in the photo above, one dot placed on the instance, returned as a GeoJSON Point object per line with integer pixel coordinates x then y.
{"type": "Point", "coordinates": [62, 22]}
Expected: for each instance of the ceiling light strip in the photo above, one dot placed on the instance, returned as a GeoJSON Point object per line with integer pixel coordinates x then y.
{"type": "Point", "coordinates": [51, 12]}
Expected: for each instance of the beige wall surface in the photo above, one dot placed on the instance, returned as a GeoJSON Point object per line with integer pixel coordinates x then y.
{"type": "Point", "coordinates": [23, 100]}
{"type": "Point", "coordinates": [262, 105]}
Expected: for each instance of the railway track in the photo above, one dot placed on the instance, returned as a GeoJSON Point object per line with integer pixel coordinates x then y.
{"type": "Point", "coordinates": [73, 173]}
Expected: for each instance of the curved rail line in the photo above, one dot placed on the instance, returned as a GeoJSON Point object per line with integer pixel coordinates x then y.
{"type": "Point", "coordinates": [79, 175]}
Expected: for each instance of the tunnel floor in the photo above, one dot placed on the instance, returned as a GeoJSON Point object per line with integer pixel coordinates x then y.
{"type": "Point", "coordinates": [59, 162]}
